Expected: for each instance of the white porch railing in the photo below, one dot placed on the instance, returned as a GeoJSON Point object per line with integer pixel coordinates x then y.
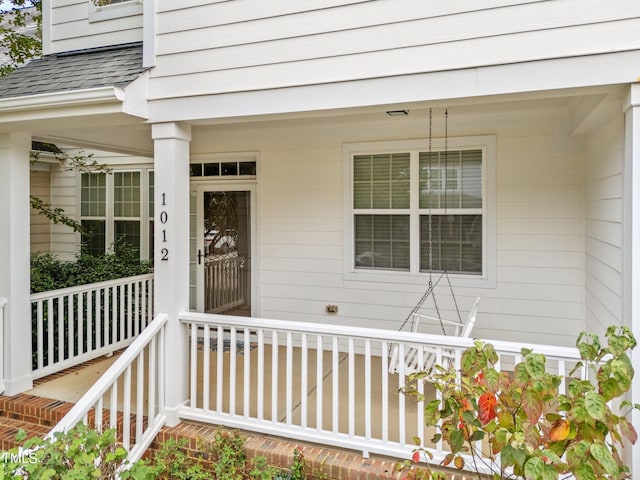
{"type": "Point", "coordinates": [128, 397]}
{"type": "Point", "coordinates": [321, 383]}
{"type": "Point", "coordinates": [3, 303]}
{"type": "Point", "coordinates": [76, 324]}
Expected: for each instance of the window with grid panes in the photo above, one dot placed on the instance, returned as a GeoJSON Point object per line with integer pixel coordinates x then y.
{"type": "Point", "coordinates": [431, 200]}
{"type": "Point", "coordinates": [126, 207]}
{"type": "Point", "coordinates": [93, 192]}
{"type": "Point", "coordinates": [112, 207]}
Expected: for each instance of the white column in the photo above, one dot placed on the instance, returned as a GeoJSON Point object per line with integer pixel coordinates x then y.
{"type": "Point", "coordinates": [14, 260]}
{"type": "Point", "coordinates": [171, 254]}
{"type": "Point", "coordinates": [631, 260]}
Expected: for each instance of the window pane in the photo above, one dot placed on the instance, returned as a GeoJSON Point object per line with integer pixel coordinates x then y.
{"type": "Point", "coordinates": [456, 243]}
{"type": "Point", "coordinates": [471, 177]}
{"type": "Point", "coordinates": [152, 237]}
{"type": "Point", "coordinates": [382, 241]}
{"type": "Point", "coordinates": [151, 193]}
{"type": "Point", "coordinates": [211, 169]}
{"type": "Point", "coordinates": [381, 181]}
{"type": "Point", "coordinates": [93, 194]}
{"type": "Point", "coordinates": [195, 170]}
{"type": "Point", "coordinates": [229, 168]}
{"type": "Point", "coordinates": [452, 180]}
{"type": "Point", "coordinates": [129, 231]}
{"type": "Point", "coordinates": [93, 242]}
{"type": "Point", "coordinates": [247, 168]}
{"type": "Point", "coordinates": [126, 194]}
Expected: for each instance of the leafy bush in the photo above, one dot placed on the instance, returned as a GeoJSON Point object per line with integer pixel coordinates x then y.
{"type": "Point", "coordinates": [48, 272]}
{"type": "Point", "coordinates": [228, 461]}
{"type": "Point", "coordinates": [539, 428]}
{"type": "Point", "coordinates": [81, 453]}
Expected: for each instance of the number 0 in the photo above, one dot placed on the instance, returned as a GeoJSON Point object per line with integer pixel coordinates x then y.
{"type": "Point", "coordinates": [164, 217]}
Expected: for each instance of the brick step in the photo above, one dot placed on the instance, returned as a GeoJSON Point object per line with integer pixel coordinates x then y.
{"type": "Point", "coordinates": [32, 409]}
{"type": "Point", "coordinates": [38, 415]}
{"type": "Point", "coordinates": [10, 427]}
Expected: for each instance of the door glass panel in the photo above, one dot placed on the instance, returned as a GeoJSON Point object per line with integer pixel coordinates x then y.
{"type": "Point", "coordinates": [226, 255]}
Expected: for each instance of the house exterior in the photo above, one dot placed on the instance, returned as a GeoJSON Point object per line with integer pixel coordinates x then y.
{"type": "Point", "coordinates": [332, 125]}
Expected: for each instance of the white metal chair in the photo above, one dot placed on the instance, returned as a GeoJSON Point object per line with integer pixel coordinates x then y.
{"type": "Point", "coordinates": [412, 362]}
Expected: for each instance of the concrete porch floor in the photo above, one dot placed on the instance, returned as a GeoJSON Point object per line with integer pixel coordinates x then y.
{"type": "Point", "coordinates": [70, 385]}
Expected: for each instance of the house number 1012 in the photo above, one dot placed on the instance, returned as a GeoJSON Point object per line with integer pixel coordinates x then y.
{"type": "Point", "coordinates": [164, 218]}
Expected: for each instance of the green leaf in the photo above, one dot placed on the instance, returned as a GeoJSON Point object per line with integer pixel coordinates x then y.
{"type": "Point", "coordinates": [534, 468]}
{"type": "Point", "coordinates": [602, 454]}
{"type": "Point", "coordinates": [577, 452]}
{"type": "Point", "coordinates": [549, 473]}
{"type": "Point", "coordinates": [532, 404]}
{"type": "Point", "coordinates": [520, 457]}
{"type": "Point", "coordinates": [456, 440]}
{"type": "Point", "coordinates": [432, 412]}
{"type": "Point", "coordinates": [521, 376]}
{"type": "Point", "coordinates": [506, 456]}
{"type": "Point", "coordinates": [468, 360]}
{"type": "Point", "coordinates": [535, 365]}
{"type": "Point", "coordinates": [21, 435]}
{"type": "Point", "coordinates": [584, 472]}
{"type": "Point", "coordinates": [491, 378]}
{"type": "Point", "coordinates": [595, 405]}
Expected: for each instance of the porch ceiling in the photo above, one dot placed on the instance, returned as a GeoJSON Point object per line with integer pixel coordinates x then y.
{"type": "Point", "coordinates": [118, 132]}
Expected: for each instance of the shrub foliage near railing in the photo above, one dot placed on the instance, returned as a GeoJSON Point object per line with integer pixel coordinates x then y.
{"type": "Point", "coordinates": [88, 306]}
{"type": "Point", "coordinates": [48, 272]}
{"type": "Point", "coordinates": [530, 423]}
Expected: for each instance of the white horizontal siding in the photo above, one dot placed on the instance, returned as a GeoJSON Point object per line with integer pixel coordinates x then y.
{"type": "Point", "coordinates": [40, 225]}
{"type": "Point", "coordinates": [206, 48]}
{"type": "Point", "coordinates": [540, 232]}
{"type": "Point", "coordinates": [64, 241]}
{"type": "Point", "coordinates": [603, 232]}
{"type": "Point", "coordinates": [72, 29]}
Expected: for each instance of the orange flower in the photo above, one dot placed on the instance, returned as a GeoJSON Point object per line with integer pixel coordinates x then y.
{"type": "Point", "coordinates": [487, 407]}
{"type": "Point", "coordinates": [559, 430]}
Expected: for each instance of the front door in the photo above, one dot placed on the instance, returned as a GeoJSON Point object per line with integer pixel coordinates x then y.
{"type": "Point", "coordinates": [223, 257]}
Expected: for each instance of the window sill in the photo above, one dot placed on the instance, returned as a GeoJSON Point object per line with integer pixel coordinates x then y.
{"type": "Point", "coordinates": [396, 277]}
{"type": "Point", "coordinates": [113, 11]}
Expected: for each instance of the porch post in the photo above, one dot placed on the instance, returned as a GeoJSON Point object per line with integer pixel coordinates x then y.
{"type": "Point", "coordinates": [171, 254]}
{"type": "Point", "coordinates": [631, 242]}
{"type": "Point", "coordinates": [14, 260]}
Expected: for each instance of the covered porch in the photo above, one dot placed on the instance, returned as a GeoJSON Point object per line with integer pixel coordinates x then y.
{"type": "Point", "coordinates": [559, 210]}
{"type": "Point", "coordinates": [310, 382]}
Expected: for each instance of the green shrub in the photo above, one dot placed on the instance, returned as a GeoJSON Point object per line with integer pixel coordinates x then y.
{"type": "Point", "coordinates": [81, 453]}
{"type": "Point", "coordinates": [541, 430]}
{"type": "Point", "coordinates": [228, 461]}
{"type": "Point", "coordinates": [48, 272]}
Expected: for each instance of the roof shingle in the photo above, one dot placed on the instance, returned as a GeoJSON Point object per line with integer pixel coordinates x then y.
{"type": "Point", "coordinates": [115, 66]}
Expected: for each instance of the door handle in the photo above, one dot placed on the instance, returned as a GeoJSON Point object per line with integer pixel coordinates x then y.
{"type": "Point", "coordinates": [199, 257]}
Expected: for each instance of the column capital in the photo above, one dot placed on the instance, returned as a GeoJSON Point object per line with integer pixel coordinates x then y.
{"type": "Point", "coordinates": [171, 130]}
{"type": "Point", "coordinates": [632, 98]}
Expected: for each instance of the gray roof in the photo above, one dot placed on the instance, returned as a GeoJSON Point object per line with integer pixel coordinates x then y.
{"type": "Point", "coordinates": [116, 65]}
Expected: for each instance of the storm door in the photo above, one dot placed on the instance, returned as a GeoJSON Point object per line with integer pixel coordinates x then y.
{"type": "Point", "coordinates": [223, 257]}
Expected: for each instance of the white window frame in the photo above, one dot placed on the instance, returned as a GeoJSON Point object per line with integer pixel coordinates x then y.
{"type": "Point", "coordinates": [113, 11]}
{"type": "Point", "coordinates": [486, 143]}
{"type": "Point", "coordinates": [110, 217]}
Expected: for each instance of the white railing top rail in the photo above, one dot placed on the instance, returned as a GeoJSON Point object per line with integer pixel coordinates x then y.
{"type": "Point", "coordinates": [390, 336]}
{"type": "Point", "coordinates": [118, 367]}
{"type": "Point", "coordinates": [89, 286]}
